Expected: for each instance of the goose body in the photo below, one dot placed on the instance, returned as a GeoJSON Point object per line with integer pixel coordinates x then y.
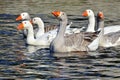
{"type": "Point", "coordinates": [110, 29]}
{"type": "Point", "coordinates": [111, 39]}
{"type": "Point", "coordinates": [72, 42]}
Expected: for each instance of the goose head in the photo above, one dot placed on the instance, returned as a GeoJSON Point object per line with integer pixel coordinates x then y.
{"type": "Point", "coordinates": [60, 15]}
{"type": "Point", "coordinates": [37, 20]}
{"type": "Point", "coordinates": [100, 15]}
{"type": "Point", "coordinates": [24, 25]}
{"type": "Point", "coordinates": [23, 16]}
{"type": "Point", "coordinates": [100, 20]}
{"type": "Point", "coordinates": [88, 13]}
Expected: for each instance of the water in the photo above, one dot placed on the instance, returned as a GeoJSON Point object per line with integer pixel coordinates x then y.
{"type": "Point", "coordinates": [21, 62]}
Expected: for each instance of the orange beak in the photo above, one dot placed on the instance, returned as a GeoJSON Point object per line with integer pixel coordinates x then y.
{"type": "Point", "coordinates": [85, 14]}
{"type": "Point", "coordinates": [19, 18]}
{"type": "Point", "coordinates": [31, 21]}
{"type": "Point", "coordinates": [56, 13]}
{"type": "Point", "coordinates": [20, 26]}
{"type": "Point", "coordinates": [100, 14]}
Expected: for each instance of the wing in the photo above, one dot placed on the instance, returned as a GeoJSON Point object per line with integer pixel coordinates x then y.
{"type": "Point", "coordinates": [48, 28]}
{"type": "Point", "coordinates": [75, 42]}
{"type": "Point", "coordinates": [90, 36]}
{"type": "Point", "coordinates": [113, 37]}
{"type": "Point", "coordinates": [74, 39]}
{"type": "Point", "coordinates": [79, 41]}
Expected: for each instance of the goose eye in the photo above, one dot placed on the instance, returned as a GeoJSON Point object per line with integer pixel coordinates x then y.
{"type": "Point", "coordinates": [23, 14]}
{"type": "Point", "coordinates": [89, 11]}
{"type": "Point", "coordinates": [25, 22]}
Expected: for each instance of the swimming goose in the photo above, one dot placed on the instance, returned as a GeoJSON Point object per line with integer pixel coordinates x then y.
{"type": "Point", "coordinates": [110, 39]}
{"type": "Point", "coordinates": [30, 36]}
{"type": "Point", "coordinates": [72, 42]}
{"type": "Point", "coordinates": [91, 26]}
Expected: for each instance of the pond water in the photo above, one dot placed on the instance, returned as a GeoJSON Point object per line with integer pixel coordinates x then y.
{"type": "Point", "coordinates": [19, 61]}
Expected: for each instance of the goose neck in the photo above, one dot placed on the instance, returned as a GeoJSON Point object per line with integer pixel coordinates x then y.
{"type": "Point", "coordinates": [30, 36]}
{"type": "Point", "coordinates": [91, 24]}
{"type": "Point", "coordinates": [41, 28]}
{"type": "Point", "coordinates": [101, 34]}
{"type": "Point", "coordinates": [62, 28]}
{"type": "Point", "coordinates": [41, 25]}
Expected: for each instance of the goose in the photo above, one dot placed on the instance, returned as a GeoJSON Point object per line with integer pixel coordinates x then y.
{"type": "Point", "coordinates": [91, 26]}
{"type": "Point", "coordinates": [107, 40]}
{"type": "Point", "coordinates": [72, 42]}
{"type": "Point", "coordinates": [30, 36]}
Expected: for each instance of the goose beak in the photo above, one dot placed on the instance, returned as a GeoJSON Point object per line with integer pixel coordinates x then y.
{"type": "Point", "coordinates": [85, 14]}
{"type": "Point", "coordinates": [101, 15]}
{"type": "Point", "coordinates": [56, 13]}
{"type": "Point", "coordinates": [20, 26]}
{"type": "Point", "coordinates": [19, 18]}
{"type": "Point", "coordinates": [31, 21]}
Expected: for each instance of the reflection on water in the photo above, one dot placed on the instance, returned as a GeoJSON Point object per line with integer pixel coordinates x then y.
{"type": "Point", "coordinates": [19, 61]}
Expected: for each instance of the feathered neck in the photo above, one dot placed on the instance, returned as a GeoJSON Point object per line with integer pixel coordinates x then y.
{"type": "Point", "coordinates": [41, 28]}
{"type": "Point", "coordinates": [91, 24]}
{"type": "Point", "coordinates": [30, 36]}
{"type": "Point", "coordinates": [100, 24]}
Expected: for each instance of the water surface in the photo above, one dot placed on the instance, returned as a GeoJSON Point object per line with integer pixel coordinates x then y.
{"type": "Point", "coordinates": [20, 61]}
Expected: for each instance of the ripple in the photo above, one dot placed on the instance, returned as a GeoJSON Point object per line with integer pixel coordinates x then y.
{"type": "Point", "coordinates": [20, 62]}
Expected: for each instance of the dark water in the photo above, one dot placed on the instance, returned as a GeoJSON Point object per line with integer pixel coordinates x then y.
{"type": "Point", "coordinates": [21, 62]}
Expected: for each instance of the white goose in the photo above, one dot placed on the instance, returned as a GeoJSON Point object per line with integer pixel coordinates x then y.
{"type": "Point", "coordinates": [30, 36]}
{"type": "Point", "coordinates": [110, 39]}
{"type": "Point", "coordinates": [72, 42]}
{"type": "Point", "coordinates": [89, 13]}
